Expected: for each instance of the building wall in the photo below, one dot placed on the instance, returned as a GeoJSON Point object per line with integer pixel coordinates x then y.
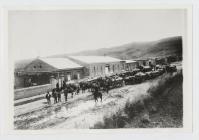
{"type": "Point", "coordinates": [150, 62]}
{"type": "Point", "coordinates": [31, 91]}
{"type": "Point", "coordinates": [146, 62]}
{"type": "Point", "coordinates": [30, 79]}
{"type": "Point", "coordinates": [141, 62]}
{"type": "Point", "coordinates": [73, 74]}
{"type": "Point", "coordinates": [18, 81]}
{"type": "Point", "coordinates": [66, 75]}
{"type": "Point", "coordinates": [99, 68]}
{"type": "Point", "coordinates": [131, 66]}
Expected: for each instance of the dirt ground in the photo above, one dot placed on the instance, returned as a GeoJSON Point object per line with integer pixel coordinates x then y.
{"type": "Point", "coordinates": [79, 112]}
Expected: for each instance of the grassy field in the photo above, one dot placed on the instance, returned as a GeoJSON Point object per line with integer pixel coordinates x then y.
{"type": "Point", "coordinates": [161, 108]}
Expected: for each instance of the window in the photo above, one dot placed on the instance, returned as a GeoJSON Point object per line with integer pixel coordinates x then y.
{"type": "Point", "coordinates": [75, 76]}
{"type": "Point", "coordinates": [34, 67]}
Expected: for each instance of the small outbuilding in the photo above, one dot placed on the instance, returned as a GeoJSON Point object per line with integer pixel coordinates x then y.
{"type": "Point", "coordinates": [130, 65]}
{"type": "Point", "coordinates": [46, 70]}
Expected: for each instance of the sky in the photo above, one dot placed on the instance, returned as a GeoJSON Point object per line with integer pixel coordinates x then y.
{"type": "Point", "coordinates": [43, 33]}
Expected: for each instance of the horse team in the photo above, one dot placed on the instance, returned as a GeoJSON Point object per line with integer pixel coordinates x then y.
{"type": "Point", "coordinates": [104, 84]}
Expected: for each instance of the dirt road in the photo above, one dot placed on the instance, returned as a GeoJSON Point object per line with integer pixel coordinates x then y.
{"type": "Point", "coordinates": [79, 112]}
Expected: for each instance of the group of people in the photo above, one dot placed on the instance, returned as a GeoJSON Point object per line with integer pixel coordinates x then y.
{"type": "Point", "coordinates": [56, 94]}
{"type": "Point", "coordinates": [96, 87]}
{"type": "Point", "coordinates": [65, 88]}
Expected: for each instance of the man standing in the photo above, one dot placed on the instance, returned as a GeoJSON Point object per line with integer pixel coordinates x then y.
{"type": "Point", "coordinates": [54, 94]}
{"type": "Point", "coordinates": [64, 85]}
{"type": "Point", "coordinates": [66, 94]}
{"type": "Point", "coordinates": [57, 85]}
{"type": "Point", "coordinates": [48, 96]}
{"type": "Point", "coordinates": [59, 95]}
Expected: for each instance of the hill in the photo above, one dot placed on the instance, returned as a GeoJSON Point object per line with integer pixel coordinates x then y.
{"type": "Point", "coordinates": [164, 47]}
{"type": "Point", "coordinates": [162, 108]}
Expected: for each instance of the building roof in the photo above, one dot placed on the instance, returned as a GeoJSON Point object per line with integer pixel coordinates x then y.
{"type": "Point", "coordinates": [95, 59]}
{"type": "Point", "coordinates": [140, 59]}
{"type": "Point", "coordinates": [21, 64]}
{"type": "Point", "coordinates": [60, 63]}
{"type": "Point", "coordinates": [130, 61]}
{"type": "Point", "coordinates": [57, 63]}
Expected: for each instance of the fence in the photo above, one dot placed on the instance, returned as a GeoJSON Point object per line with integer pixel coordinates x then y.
{"type": "Point", "coordinates": [31, 91]}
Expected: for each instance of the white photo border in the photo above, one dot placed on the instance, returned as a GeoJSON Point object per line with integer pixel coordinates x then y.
{"type": "Point", "coordinates": [8, 71]}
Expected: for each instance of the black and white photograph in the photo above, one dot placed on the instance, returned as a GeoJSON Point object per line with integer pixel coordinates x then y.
{"type": "Point", "coordinates": [98, 68]}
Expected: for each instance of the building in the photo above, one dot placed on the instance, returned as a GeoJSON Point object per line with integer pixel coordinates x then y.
{"type": "Point", "coordinates": [175, 58]}
{"type": "Point", "coordinates": [130, 65]}
{"type": "Point", "coordinates": [141, 62]}
{"type": "Point", "coordinates": [20, 79]}
{"type": "Point", "coordinates": [146, 61]}
{"type": "Point", "coordinates": [99, 65]}
{"type": "Point", "coordinates": [161, 60]}
{"type": "Point", "coordinates": [46, 70]}
{"type": "Point", "coordinates": [151, 61]}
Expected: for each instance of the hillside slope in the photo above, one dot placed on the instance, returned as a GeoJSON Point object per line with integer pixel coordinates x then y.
{"type": "Point", "coordinates": [162, 108]}
{"type": "Point", "coordinates": [163, 47]}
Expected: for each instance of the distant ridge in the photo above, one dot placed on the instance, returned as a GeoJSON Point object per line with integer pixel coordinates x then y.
{"type": "Point", "coordinates": [161, 48]}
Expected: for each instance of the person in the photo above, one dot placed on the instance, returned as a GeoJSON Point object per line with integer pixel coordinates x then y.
{"type": "Point", "coordinates": [59, 95]}
{"type": "Point", "coordinates": [64, 85]}
{"type": "Point", "coordinates": [96, 92]}
{"type": "Point", "coordinates": [54, 94]}
{"type": "Point", "coordinates": [78, 88]}
{"type": "Point", "coordinates": [66, 94]}
{"type": "Point", "coordinates": [123, 83]}
{"type": "Point", "coordinates": [107, 85]}
{"type": "Point", "coordinates": [57, 85]}
{"type": "Point", "coordinates": [48, 96]}
{"type": "Point", "coordinates": [71, 90]}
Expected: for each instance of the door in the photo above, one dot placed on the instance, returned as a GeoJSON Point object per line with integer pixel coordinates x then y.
{"type": "Point", "coordinates": [68, 77]}
{"type": "Point", "coordinates": [78, 76]}
{"type": "Point", "coordinates": [107, 69]}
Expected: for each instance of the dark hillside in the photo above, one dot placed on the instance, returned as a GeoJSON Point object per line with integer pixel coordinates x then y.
{"type": "Point", "coordinates": [164, 47]}
{"type": "Point", "coordinates": [163, 108]}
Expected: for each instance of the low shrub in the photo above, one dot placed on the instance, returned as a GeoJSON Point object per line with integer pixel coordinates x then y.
{"type": "Point", "coordinates": [164, 101]}
{"type": "Point", "coordinates": [165, 82]}
{"type": "Point", "coordinates": [132, 109]}
{"type": "Point", "coordinates": [117, 120]}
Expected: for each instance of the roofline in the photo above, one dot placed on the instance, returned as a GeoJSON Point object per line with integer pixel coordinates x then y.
{"type": "Point", "coordinates": [25, 66]}
{"type": "Point", "coordinates": [106, 62]}
{"type": "Point", "coordinates": [131, 62]}
{"type": "Point", "coordinates": [69, 69]}
{"type": "Point", "coordinates": [73, 57]}
{"type": "Point", "coordinates": [46, 63]}
{"type": "Point", "coordinates": [58, 68]}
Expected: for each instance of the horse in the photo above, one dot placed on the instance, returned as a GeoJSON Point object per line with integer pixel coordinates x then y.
{"type": "Point", "coordinates": [97, 94]}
